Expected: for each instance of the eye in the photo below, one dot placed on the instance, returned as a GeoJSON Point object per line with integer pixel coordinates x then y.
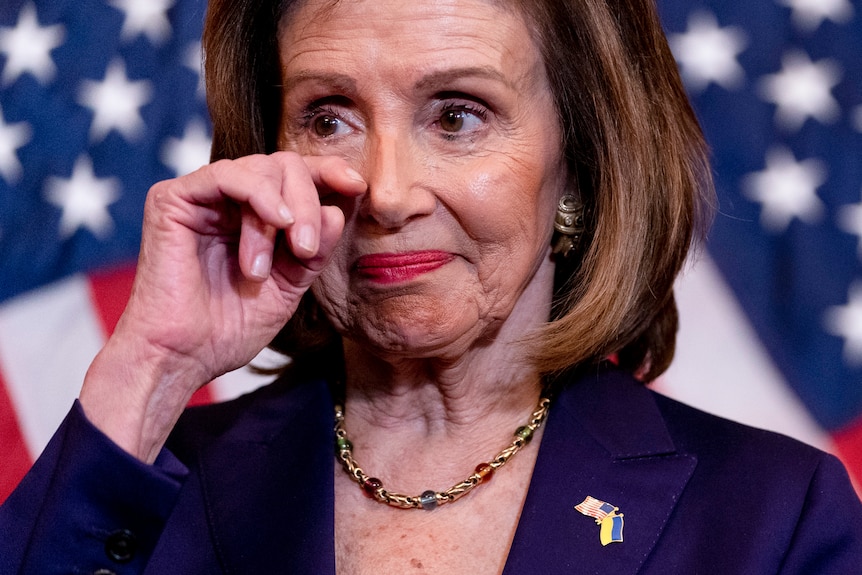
{"type": "Point", "coordinates": [328, 117]}
{"type": "Point", "coordinates": [452, 120]}
{"type": "Point", "coordinates": [458, 118]}
{"type": "Point", "coordinates": [325, 125]}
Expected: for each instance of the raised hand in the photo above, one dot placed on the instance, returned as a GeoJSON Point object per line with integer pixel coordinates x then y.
{"type": "Point", "coordinates": [226, 254]}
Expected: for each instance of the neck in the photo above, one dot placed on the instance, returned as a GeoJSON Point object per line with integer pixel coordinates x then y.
{"type": "Point", "coordinates": [437, 396]}
{"type": "Point", "coordinates": [426, 422]}
{"type": "Point", "coordinates": [416, 421]}
{"type": "Point", "coordinates": [429, 428]}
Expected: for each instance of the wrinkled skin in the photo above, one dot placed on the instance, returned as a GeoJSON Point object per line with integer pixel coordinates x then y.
{"type": "Point", "coordinates": [396, 144]}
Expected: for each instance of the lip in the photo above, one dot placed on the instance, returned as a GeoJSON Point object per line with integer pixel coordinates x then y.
{"type": "Point", "coordinates": [389, 268]}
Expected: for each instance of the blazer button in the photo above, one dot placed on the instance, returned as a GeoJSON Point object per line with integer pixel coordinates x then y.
{"type": "Point", "coordinates": [121, 546]}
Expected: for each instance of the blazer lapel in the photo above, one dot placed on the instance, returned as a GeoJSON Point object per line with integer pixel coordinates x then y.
{"type": "Point", "coordinates": [606, 439]}
{"type": "Point", "coordinates": [268, 488]}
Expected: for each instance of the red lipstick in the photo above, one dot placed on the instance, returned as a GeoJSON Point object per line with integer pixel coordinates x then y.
{"type": "Point", "coordinates": [387, 268]}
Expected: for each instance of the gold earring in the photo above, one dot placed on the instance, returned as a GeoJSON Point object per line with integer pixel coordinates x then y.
{"type": "Point", "coordinates": [569, 224]}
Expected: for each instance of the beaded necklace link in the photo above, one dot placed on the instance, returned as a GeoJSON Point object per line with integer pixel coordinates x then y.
{"type": "Point", "coordinates": [430, 499]}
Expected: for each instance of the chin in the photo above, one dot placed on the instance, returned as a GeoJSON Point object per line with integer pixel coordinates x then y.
{"type": "Point", "coordinates": [418, 335]}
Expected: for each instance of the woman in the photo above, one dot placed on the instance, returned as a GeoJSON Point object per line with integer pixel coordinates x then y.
{"type": "Point", "coordinates": [387, 216]}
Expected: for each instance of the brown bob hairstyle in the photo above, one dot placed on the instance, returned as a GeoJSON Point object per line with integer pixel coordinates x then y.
{"type": "Point", "coordinates": [631, 140]}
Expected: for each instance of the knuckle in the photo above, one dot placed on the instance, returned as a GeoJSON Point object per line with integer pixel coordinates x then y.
{"type": "Point", "coordinates": [287, 156]}
{"type": "Point", "coordinates": [218, 168]}
{"type": "Point", "coordinates": [159, 194]}
{"type": "Point", "coordinates": [265, 168]}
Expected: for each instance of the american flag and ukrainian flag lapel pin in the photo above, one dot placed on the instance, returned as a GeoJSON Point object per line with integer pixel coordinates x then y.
{"type": "Point", "coordinates": [607, 516]}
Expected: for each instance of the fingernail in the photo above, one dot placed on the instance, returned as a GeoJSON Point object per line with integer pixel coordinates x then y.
{"type": "Point", "coordinates": [354, 175]}
{"type": "Point", "coordinates": [284, 214]}
{"type": "Point", "coordinates": [305, 239]}
{"type": "Point", "coordinates": [260, 266]}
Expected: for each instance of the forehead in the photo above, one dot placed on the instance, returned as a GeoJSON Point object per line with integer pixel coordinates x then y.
{"type": "Point", "coordinates": [393, 11]}
{"type": "Point", "coordinates": [407, 33]}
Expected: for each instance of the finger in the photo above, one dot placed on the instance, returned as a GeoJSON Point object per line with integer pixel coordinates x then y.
{"type": "Point", "coordinates": [299, 192]}
{"type": "Point", "coordinates": [256, 244]}
{"type": "Point", "coordinates": [301, 273]}
{"type": "Point", "coordinates": [253, 180]}
{"type": "Point", "coordinates": [326, 175]}
{"type": "Point", "coordinates": [332, 174]}
{"type": "Point", "coordinates": [283, 189]}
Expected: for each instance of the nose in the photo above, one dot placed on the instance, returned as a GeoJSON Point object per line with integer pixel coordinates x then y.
{"type": "Point", "coordinates": [395, 170]}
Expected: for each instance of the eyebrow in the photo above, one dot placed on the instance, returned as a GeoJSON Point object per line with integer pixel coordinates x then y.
{"type": "Point", "coordinates": [441, 77]}
{"type": "Point", "coordinates": [340, 81]}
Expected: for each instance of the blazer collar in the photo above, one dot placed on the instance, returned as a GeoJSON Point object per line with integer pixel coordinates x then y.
{"type": "Point", "coordinates": [606, 439]}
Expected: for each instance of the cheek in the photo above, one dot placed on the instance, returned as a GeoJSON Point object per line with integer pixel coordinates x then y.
{"type": "Point", "coordinates": [332, 286]}
{"type": "Point", "coordinates": [330, 289]}
{"type": "Point", "coordinates": [511, 204]}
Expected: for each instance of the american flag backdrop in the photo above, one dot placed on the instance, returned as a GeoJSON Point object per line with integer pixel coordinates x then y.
{"type": "Point", "coordinates": [99, 99]}
{"type": "Point", "coordinates": [772, 316]}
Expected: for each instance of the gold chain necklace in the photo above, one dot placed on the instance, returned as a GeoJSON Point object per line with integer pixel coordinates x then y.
{"type": "Point", "coordinates": [430, 499]}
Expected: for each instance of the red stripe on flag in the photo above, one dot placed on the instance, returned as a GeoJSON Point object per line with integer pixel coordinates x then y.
{"type": "Point", "coordinates": [110, 292]}
{"type": "Point", "coordinates": [848, 444]}
{"type": "Point", "coordinates": [16, 456]}
{"type": "Point", "coordinates": [202, 396]}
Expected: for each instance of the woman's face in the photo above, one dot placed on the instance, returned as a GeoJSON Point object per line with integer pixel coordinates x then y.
{"type": "Point", "coordinates": [444, 108]}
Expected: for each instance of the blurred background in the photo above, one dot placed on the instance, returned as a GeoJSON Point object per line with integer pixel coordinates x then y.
{"type": "Point", "coordinates": [99, 99]}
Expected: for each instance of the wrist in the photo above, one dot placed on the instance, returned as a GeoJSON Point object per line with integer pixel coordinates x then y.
{"type": "Point", "coordinates": [135, 396]}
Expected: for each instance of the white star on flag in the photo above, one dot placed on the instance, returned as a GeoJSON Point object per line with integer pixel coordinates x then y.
{"type": "Point", "coordinates": [12, 137]}
{"type": "Point", "coordinates": [801, 90]}
{"type": "Point", "coordinates": [187, 154]}
{"type": "Point", "coordinates": [787, 189]}
{"type": "Point", "coordinates": [83, 199]}
{"type": "Point", "coordinates": [809, 14]}
{"type": "Point", "coordinates": [707, 54]}
{"type": "Point", "coordinates": [850, 220]}
{"type": "Point", "coordinates": [846, 322]}
{"type": "Point", "coordinates": [28, 47]}
{"type": "Point", "coordinates": [116, 102]}
{"type": "Point", "coordinates": [147, 17]}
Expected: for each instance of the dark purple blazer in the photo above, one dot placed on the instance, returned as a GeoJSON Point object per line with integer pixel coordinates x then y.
{"type": "Point", "coordinates": [246, 487]}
